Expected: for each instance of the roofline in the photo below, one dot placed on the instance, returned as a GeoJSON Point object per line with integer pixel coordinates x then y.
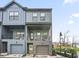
{"type": "Point", "coordinates": [25, 8]}
{"type": "Point", "coordinates": [39, 9]}
{"type": "Point", "coordinates": [6, 6]}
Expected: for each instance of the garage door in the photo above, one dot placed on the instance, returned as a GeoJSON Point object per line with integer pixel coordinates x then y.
{"type": "Point", "coordinates": [42, 50]}
{"type": "Point", "coordinates": [17, 49]}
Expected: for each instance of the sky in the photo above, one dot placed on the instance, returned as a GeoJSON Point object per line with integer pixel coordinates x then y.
{"type": "Point", "coordinates": [65, 14]}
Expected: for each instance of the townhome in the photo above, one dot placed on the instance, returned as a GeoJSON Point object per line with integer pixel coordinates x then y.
{"type": "Point", "coordinates": [25, 30]}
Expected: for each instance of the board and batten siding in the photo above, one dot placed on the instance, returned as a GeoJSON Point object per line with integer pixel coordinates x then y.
{"type": "Point", "coordinates": [21, 12]}
{"type": "Point", "coordinates": [0, 16]}
{"type": "Point", "coordinates": [29, 16]}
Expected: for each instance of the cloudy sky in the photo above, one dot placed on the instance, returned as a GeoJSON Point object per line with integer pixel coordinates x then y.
{"type": "Point", "coordinates": [65, 14]}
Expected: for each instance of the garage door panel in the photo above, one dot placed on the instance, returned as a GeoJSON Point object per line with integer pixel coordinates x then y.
{"type": "Point", "coordinates": [42, 50]}
{"type": "Point", "coordinates": [16, 48]}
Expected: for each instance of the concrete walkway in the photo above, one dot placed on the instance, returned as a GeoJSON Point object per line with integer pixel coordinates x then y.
{"type": "Point", "coordinates": [12, 56]}
{"type": "Point", "coordinates": [47, 56]}
{"type": "Point", "coordinates": [59, 56]}
{"type": "Point", "coordinates": [44, 56]}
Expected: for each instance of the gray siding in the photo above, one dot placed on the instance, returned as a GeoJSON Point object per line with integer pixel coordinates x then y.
{"type": "Point", "coordinates": [0, 16]}
{"type": "Point", "coordinates": [29, 15]}
{"type": "Point", "coordinates": [0, 31]}
{"type": "Point", "coordinates": [20, 21]}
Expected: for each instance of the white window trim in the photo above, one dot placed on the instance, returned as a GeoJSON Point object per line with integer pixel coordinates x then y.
{"type": "Point", "coordinates": [34, 14]}
{"type": "Point", "coordinates": [13, 13]}
{"type": "Point", "coordinates": [42, 15]}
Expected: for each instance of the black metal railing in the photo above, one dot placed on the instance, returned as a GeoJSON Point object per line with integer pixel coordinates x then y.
{"type": "Point", "coordinates": [7, 37]}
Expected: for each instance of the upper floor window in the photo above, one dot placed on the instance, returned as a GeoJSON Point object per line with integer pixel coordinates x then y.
{"type": "Point", "coordinates": [13, 15]}
{"type": "Point", "coordinates": [42, 17]}
{"type": "Point", "coordinates": [35, 16]}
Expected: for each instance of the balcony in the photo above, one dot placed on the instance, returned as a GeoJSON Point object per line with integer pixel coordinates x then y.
{"type": "Point", "coordinates": [11, 37]}
{"type": "Point", "coordinates": [7, 37]}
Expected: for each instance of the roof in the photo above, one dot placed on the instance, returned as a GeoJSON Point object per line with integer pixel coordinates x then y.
{"type": "Point", "coordinates": [39, 9]}
{"type": "Point", "coordinates": [25, 8]}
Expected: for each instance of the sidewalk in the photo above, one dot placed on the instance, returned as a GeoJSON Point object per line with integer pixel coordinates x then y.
{"type": "Point", "coordinates": [12, 56]}
{"type": "Point", "coordinates": [47, 56]}
{"type": "Point", "coordinates": [59, 56]}
{"type": "Point", "coordinates": [44, 56]}
{"type": "Point", "coordinates": [31, 56]}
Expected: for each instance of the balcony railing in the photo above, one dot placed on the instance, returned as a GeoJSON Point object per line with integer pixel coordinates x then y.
{"type": "Point", "coordinates": [7, 37]}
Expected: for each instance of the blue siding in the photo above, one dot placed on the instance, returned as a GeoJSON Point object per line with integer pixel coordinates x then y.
{"type": "Point", "coordinates": [0, 31]}
{"type": "Point", "coordinates": [10, 42]}
{"type": "Point", "coordinates": [0, 16]}
{"type": "Point", "coordinates": [20, 21]}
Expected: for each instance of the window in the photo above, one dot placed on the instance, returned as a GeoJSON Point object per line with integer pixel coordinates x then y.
{"type": "Point", "coordinates": [44, 36]}
{"type": "Point", "coordinates": [13, 15]}
{"type": "Point", "coordinates": [35, 36]}
{"type": "Point", "coordinates": [32, 36]}
{"type": "Point", "coordinates": [35, 16]}
{"type": "Point", "coordinates": [38, 35]}
{"type": "Point", "coordinates": [19, 35]}
{"type": "Point", "coordinates": [42, 17]}
{"type": "Point", "coordinates": [42, 14]}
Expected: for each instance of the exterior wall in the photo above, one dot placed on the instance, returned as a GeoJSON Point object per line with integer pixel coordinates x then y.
{"type": "Point", "coordinates": [0, 16]}
{"type": "Point", "coordinates": [8, 33]}
{"type": "Point", "coordinates": [26, 39]}
{"type": "Point", "coordinates": [29, 16]}
{"type": "Point", "coordinates": [0, 38]}
{"type": "Point", "coordinates": [25, 17]}
{"type": "Point", "coordinates": [0, 31]}
{"type": "Point", "coordinates": [47, 42]}
{"type": "Point", "coordinates": [14, 42]}
{"type": "Point", "coordinates": [50, 40]}
{"type": "Point", "coordinates": [20, 21]}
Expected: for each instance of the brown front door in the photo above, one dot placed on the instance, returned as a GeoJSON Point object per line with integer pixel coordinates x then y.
{"type": "Point", "coordinates": [30, 48]}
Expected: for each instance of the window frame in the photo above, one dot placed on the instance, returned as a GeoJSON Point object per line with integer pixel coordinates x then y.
{"type": "Point", "coordinates": [31, 36]}
{"type": "Point", "coordinates": [13, 17]}
{"type": "Point", "coordinates": [43, 18]}
{"type": "Point", "coordinates": [44, 37]}
{"type": "Point", "coordinates": [34, 18]}
{"type": "Point", "coordinates": [19, 35]}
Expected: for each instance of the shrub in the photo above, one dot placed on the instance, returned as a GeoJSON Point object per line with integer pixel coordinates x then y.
{"type": "Point", "coordinates": [73, 52]}
{"type": "Point", "coordinates": [53, 51]}
{"type": "Point", "coordinates": [68, 52]}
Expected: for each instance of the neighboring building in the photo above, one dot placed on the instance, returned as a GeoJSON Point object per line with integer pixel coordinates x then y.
{"type": "Point", "coordinates": [25, 30]}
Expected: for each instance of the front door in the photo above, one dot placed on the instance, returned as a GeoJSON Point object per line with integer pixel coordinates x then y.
{"type": "Point", "coordinates": [4, 49]}
{"type": "Point", "coordinates": [30, 48]}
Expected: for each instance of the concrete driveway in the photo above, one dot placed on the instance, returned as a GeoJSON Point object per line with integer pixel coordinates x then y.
{"type": "Point", "coordinates": [44, 56]}
{"type": "Point", "coordinates": [47, 56]}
